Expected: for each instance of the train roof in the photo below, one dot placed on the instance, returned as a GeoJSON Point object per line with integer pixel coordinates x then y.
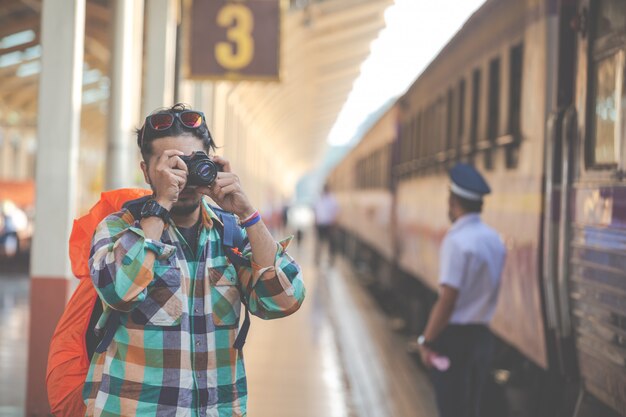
{"type": "Point", "coordinates": [474, 22]}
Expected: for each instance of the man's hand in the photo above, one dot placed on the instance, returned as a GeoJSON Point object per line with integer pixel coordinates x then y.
{"type": "Point", "coordinates": [226, 191]}
{"type": "Point", "coordinates": [426, 355]}
{"type": "Point", "coordinates": [169, 177]}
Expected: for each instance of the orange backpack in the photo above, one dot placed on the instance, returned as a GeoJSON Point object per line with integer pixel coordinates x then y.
{"type": "Point", "coordinates": [74, 341]}
{"type": "Point", "coordinates": [68, 360]}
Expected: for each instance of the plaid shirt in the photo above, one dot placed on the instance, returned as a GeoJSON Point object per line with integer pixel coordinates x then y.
{"type": "Point", "coordinates": [173, 354]}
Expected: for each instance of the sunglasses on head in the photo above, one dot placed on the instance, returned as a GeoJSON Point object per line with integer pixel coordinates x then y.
{"type": "Point", "coordinates": [163, 121]}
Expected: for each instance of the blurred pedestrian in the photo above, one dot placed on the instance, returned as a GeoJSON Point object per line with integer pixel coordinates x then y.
{"type": "Point", "coordinates": [326, 212]}
{"type": "Point", "coordinates": [471, 261]}
{"type": "Point", "coordinates": [164, 271]}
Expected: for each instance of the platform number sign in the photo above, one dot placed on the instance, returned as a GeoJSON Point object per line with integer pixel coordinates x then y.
{"type": "Point", "coordinates": [233, 39]}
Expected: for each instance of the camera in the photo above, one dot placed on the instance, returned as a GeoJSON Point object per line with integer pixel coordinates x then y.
{"type": "Point", "coordinates": [202, 171]}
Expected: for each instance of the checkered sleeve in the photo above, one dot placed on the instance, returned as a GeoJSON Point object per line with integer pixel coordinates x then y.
{"type": "Point", "coordinates": [275, 291]}
{"type": "Point", "coordinates": [117, 261]}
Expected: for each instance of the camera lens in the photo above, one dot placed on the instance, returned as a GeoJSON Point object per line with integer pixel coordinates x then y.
{"type": "Point", "coordinates": [207, 171]}
{"type": "Point", "coordinates": [202, 171]}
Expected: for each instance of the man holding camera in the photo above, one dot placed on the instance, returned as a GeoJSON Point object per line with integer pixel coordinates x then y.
{"type": "Point", "coordinates": [163, 269]}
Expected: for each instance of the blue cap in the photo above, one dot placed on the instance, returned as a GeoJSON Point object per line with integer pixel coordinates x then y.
{"type": "Point", "coordinates": [466, 182]}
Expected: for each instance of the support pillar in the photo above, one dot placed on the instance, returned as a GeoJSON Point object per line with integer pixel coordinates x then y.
{"type": "Point", "coordinates": [62, 31]}
{"type": "Point", "coordinates": [123, 117]}
{"type": "Point", "coordinates": [161, 21]}
{"type": "Point", "coordinates": [5, 153]}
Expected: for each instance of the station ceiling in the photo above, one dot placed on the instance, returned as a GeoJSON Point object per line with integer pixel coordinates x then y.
{"type": "Point", "coordinates": [324, 45]}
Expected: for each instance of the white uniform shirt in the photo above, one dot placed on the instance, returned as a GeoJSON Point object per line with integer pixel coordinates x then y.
{"type": "Point", "coordinates": [472, 258]}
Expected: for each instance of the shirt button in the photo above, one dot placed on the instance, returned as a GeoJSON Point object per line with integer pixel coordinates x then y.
{"type": "Point", "coordinates": [195, 310]}
{"type": "Point", "coordinates": [197, 343]}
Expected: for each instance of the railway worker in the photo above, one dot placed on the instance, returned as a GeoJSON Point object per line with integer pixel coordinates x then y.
{"type": "Point", "coordinates": [471, 262]}
{"type": "Point", "coordinates": [165, 270]}
{"type": "Point", "coordinates": [326, 212]}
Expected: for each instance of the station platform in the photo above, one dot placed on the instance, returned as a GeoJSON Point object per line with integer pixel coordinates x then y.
{"type": "Point", "coordinates": [336, 357]}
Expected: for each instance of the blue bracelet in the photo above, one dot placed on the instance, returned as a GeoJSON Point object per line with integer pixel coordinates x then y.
{"type": "Point", "coordinates": [252, 221]}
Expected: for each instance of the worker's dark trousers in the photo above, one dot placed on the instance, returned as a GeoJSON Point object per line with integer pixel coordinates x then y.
{"type": "Point", "coordinates": [459, 389]}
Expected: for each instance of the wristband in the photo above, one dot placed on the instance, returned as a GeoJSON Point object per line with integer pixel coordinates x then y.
{"type": "Point", "coordinates": [251, 220]}
{"type": "Point", "coordinates": [254, 214]}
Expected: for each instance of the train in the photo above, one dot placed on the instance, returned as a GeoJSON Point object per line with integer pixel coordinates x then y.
{"type": "Point", "coordinates": [532, 93]}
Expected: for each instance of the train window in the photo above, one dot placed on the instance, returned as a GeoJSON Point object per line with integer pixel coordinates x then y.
{"type": "Point", "coordinates": [606, 118]}
{"type": "Point", "coordinates": [428, 138]}
{"type": "Point", "coordinates": [404, 142]}
{"type": "Point", "coordinates": [436, 127]}
{"type": "Point", "coordinates": [450, 120]}
{"type": "Point", "coordinates": [414, 128]}
{"type": "Point", "coordinates": [494, 99]}
{"type": "Point", "coordinates": [493, 117]}
{"type": "Point", "coordinates": [475, 113]}
{"type": "Point", "coordinates": [461, 118]}
{"type": "Point", "coordinates": [418, 134]}
{"type": "Point", "coordinates": [401, 140]}
{"type": "Point", "coordinates": [440, 113]}
{"type": "Point", "coordinates": [445, 128]}
{"type": "Point", "coordinates": [427, 131]}
{"type": "Point", "coordinates": [515, 89]}
{"type": "Point", "coordinates": [515, 103]}
{"type": "Point", "coordinates": [606, 108]}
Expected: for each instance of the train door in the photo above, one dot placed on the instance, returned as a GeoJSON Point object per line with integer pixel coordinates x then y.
{"type": "Point", "coordinates": [591, 262]}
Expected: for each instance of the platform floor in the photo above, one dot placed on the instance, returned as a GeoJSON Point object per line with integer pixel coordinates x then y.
{"type": "Point", "coordinates": [14, 312]}
{"type": "Point", "coordinates": [336, 357]}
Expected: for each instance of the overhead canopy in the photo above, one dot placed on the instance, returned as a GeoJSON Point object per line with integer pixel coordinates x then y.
{"type": "Point", "coordinates": [20, 53]}
{"type": "Point", "coordinates": [323, 45]}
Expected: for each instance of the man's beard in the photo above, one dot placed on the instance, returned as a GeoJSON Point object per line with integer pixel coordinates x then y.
{"type": "Point", "coordinates": [185, 208]}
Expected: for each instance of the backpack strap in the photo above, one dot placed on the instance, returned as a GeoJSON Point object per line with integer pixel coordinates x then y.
{"type": "Point", "coordinates": [110, 328]}
{"type": "Point", "coordinates": [234, 242]}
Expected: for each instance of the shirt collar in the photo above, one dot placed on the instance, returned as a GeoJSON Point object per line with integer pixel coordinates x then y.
{"type": "Point", "coordinates": [464, 220]}
{"type": "Point", "coordinates": [208, 215]}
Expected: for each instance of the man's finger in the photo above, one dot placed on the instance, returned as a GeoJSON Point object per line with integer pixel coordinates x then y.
{"type": "Point", "coordinates": [166, 155]}
{"type": "Point", "coordinates": [229, 189]}
{"type": "Point", "coordinates": [177, 162]}
{"type": "Point", "coordinates": [181, 181]}
{"type": "Point", "coordinates": [226, 180]}
{"type": "Point", "coordinates": [223, 162]}
{"type": "Point", "coordinates": [179, 172]}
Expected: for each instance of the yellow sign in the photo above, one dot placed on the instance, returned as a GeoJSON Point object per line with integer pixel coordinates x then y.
{"type": "Point", "coordinates": [233, 40]}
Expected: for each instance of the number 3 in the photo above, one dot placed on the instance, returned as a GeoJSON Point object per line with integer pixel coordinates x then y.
{"type": "Point", "coordinates": [240, 22]}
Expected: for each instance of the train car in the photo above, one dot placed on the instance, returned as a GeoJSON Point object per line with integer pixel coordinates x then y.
{"type": "Point", "coordinates": [482, 101]}
{"type": "Point", "coordinates": [361, 186]}
{"type": "Point", "coordinates": [530, 92]}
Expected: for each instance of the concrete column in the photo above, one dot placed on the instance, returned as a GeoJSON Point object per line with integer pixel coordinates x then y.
{"type": "Point", "coordinates": [201, 96]}
{"type": "Point", "coordinates": [205, 100]}
{"type": "Point", "coordinates": [22, 156]}
{"type": "Point", "coordinates": [62, 31]}
{"type": "Point", "coordinates": [5, 154]}
{"type": "Point", "coordinates": [161, 21]}
{"type": "Point", "coordinates": [125, 92]}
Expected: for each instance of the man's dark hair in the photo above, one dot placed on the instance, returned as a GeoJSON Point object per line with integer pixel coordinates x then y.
{"type": "Point", "coordinates": [177, 129]}
{"type": "Point", "coordinates": [468, 206]}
